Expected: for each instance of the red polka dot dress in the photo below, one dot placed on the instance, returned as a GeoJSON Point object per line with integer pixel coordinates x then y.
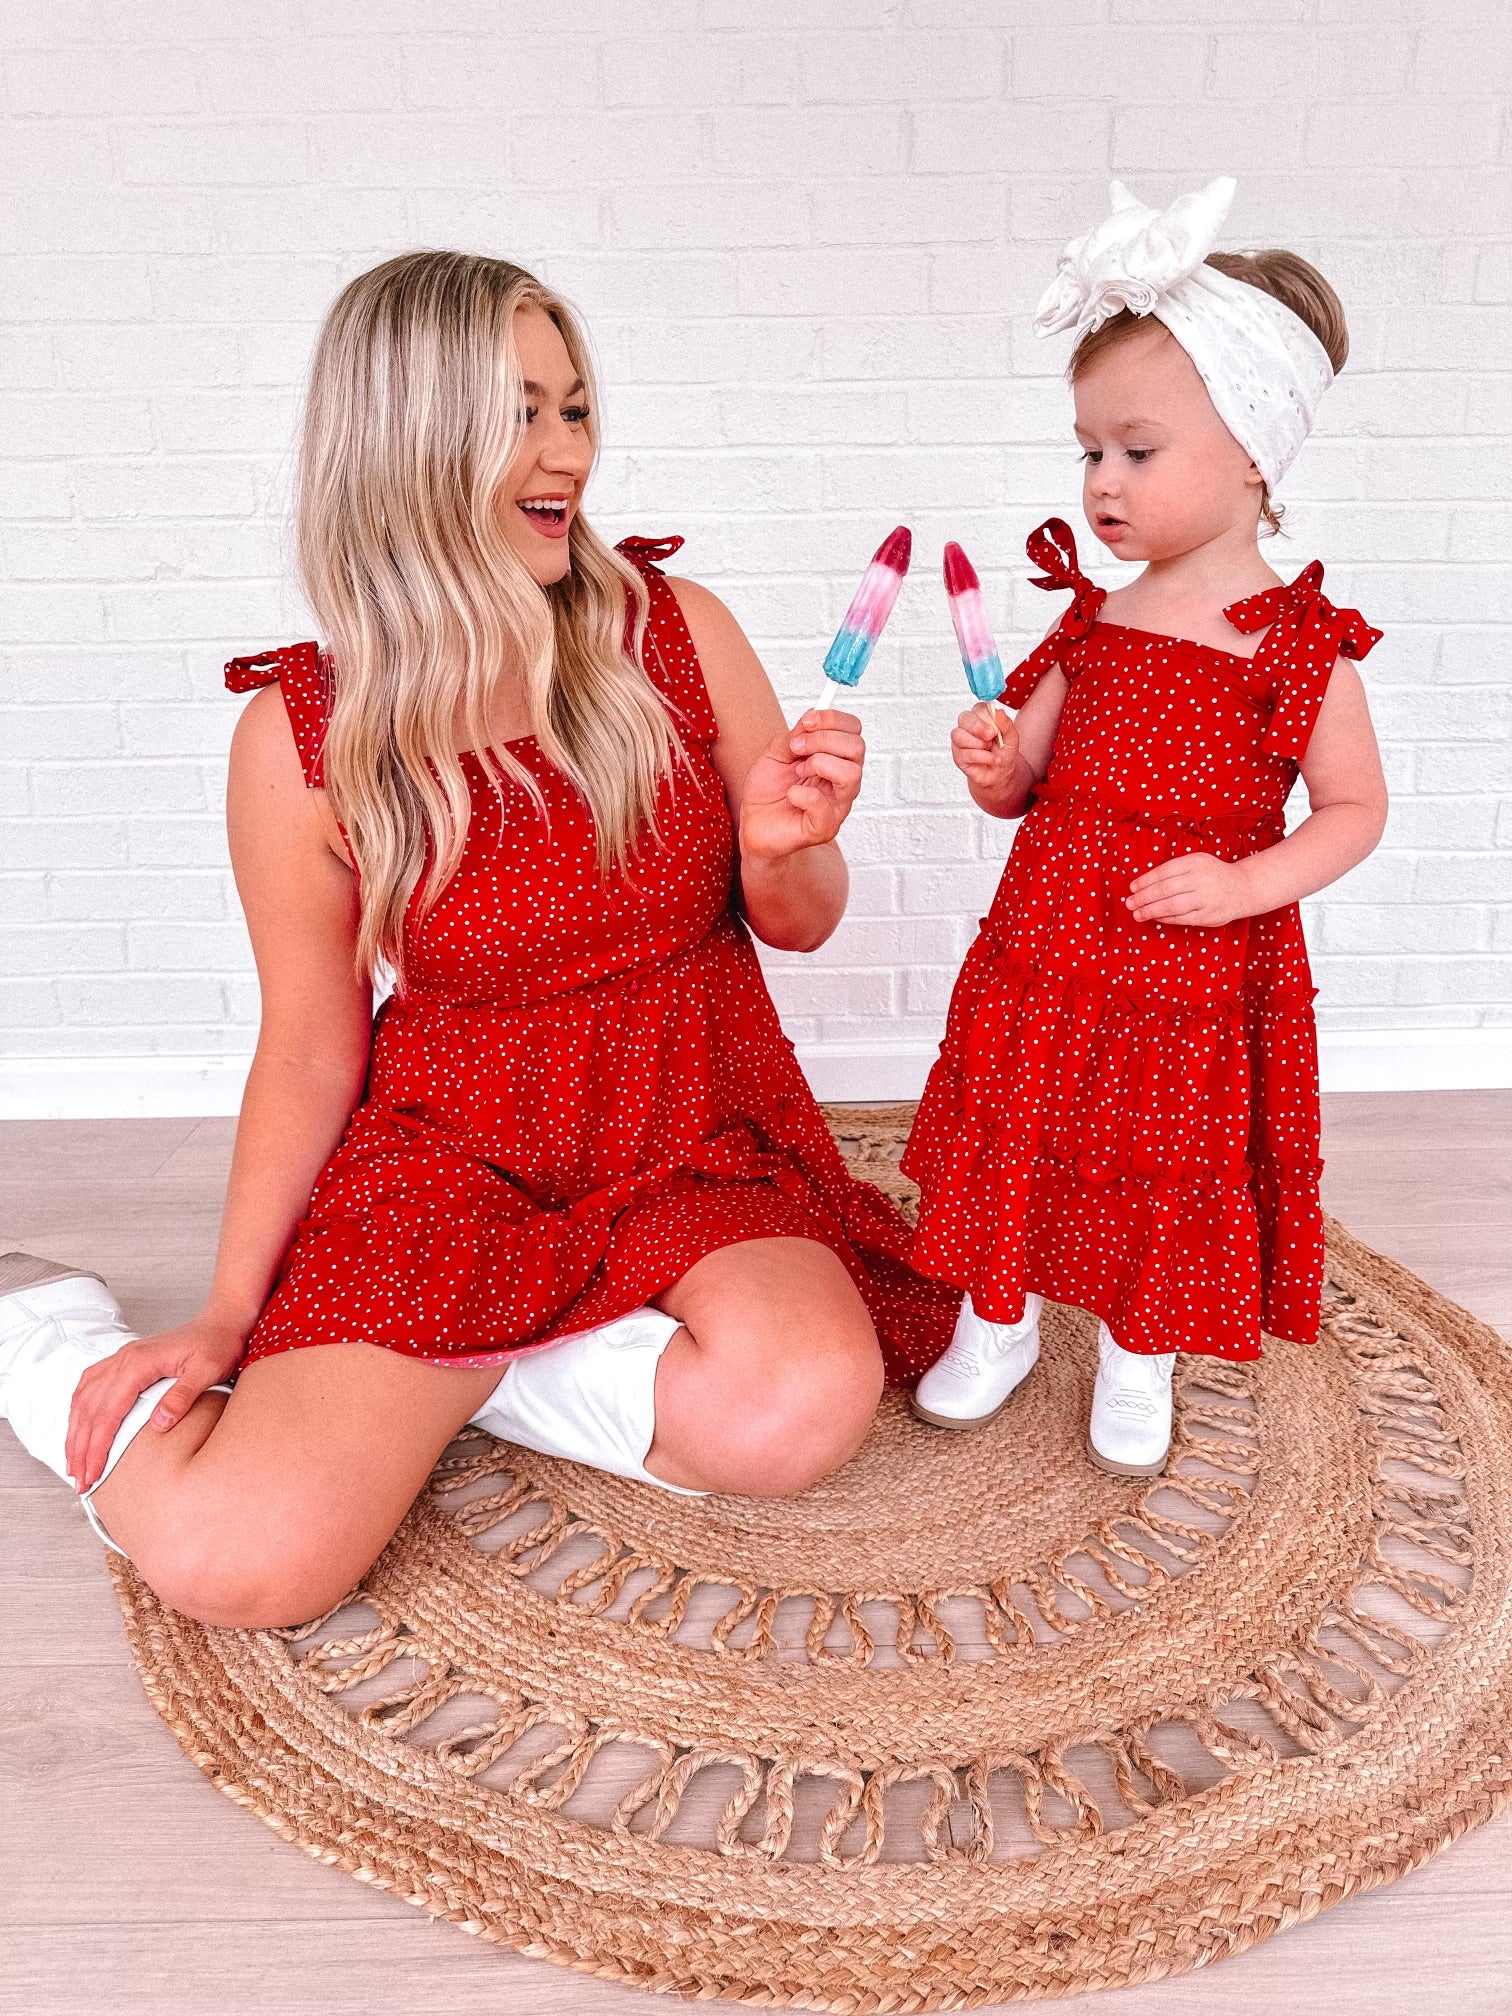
{"type": "Point", "coordinates": [583, 1087]}
{"type": "Point", "coordinates": [1124, 1116]}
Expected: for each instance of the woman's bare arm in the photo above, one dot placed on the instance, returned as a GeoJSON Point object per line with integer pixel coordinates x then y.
{"type": "Point", "coordinates": [789, 790]}
{"type": "Point", "coordinates": [299, 896]}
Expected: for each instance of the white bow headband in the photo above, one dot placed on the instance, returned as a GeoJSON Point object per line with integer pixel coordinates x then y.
{"type": "Point", "coordinates": [1264, 369]}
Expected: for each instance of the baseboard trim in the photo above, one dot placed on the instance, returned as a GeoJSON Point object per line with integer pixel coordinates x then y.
{"type": "Point", "coordinates": [120, 1088]}
{"type": "Point", "coordinates": [1414, 1060]}
{"type": "Point", "coordinates": [113, 1088]}
{"type": "Point", "coordinates": [1349, 1060]}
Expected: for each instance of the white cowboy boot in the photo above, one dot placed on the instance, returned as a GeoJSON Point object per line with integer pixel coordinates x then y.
{"type": "Point", "coordinates": [1130, 1431]}
{"type": "Point", "coordinates": [55, 1322]}
{"type": "Point", "coordinates": [975, 1379]}
{"type": "Point", "coordinates": [591, 1398]}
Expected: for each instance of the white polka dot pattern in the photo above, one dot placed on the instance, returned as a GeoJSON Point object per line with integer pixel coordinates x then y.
{"type": "Point", "coordinates": [584, 1087]}
{"type": "Point", "coordinates": [1124, 1116]}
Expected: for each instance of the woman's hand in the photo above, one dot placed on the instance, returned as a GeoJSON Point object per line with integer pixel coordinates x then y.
{"type": "Point", "coordinates": [197, 1355]}
{"type": "Point", "coordinates": [799, 791]}
{"type": "Point", "coordinates": [1196, 889]}
{"type": "Point", "coordinates": [984, 746]}
{"type": "Point", "coordinates": [788, 789]}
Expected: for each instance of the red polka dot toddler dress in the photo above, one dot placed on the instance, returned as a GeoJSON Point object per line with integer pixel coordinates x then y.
{"type": "Point", "coordinates": [583, 1087]}
{"type": "Point", "coordinates": [1124, 1116]}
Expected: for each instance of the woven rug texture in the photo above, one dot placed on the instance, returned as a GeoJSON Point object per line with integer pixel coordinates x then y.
{"type": "Point", "coordinates": [968, 1723]}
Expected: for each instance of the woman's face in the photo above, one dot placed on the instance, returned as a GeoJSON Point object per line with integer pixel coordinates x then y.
{"type": "Point", "coordinates": [1162, 475]}
{"type": "Point", "coordinates": [544, 486]}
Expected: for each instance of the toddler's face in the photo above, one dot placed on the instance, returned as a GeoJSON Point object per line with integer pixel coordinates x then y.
{"type": "Point", "coordinates": [1162, 474]}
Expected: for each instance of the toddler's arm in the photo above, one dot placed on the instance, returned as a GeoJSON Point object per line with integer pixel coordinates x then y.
{"type": "Point", "coordinates": [1347, 795]}
{"type": "Point", "coordinates": [1001, 774]}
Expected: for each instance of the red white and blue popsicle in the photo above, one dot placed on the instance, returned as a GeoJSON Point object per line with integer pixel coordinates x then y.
{"type": "Point", "coordinates": [979, 652]}
{"type": "Point", "coordinates": [866, 618]}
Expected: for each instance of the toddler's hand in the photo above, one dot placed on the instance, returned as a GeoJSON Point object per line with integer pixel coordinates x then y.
{"type": "Point", "coordinates": [1197, 889]}
{"type": "Point", "coordinates": [986, 755]}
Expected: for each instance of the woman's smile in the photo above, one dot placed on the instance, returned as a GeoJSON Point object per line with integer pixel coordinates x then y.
{"type": "Point", "coordinates": [549, 514]}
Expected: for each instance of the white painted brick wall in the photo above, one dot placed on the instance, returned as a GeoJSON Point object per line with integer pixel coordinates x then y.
{"type": "Point", "coordinates": [807, 237]}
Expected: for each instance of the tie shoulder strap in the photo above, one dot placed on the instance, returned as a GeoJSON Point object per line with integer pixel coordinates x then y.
{"type": "Point", "coordinates": [1052, 548]}
{"type": "Point", "coordinates": [1308, 635]}
{"type": "Point", "coordinates": [303, 672]}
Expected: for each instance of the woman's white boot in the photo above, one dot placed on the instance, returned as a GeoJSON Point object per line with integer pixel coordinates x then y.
{"type": "Point", "coordinates": [975, 1379]}
{"type": "Point", "coordinates": [1130, 1430]}
{"type": "Point", "coordinates": [55, 1322]}
{"type": "Point", "coordinates": [591, 1398]}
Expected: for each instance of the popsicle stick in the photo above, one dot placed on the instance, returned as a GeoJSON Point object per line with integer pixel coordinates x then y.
{"type": "Point", "coordinates": [985, 707]}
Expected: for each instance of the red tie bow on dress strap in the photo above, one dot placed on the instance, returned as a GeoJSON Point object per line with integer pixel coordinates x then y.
{"type": "Point", "coordinates": [1304, 600]}
{"type": "Point", "coordinates": [1053, 547]}
{"type": "Point", "coordinates": [261, 668]}
{"type": "Point", "coordinates": [1310, 634]}
{"type": "Point", "coordinates": [648, 552]}
{"type": "Point", "coordinates": [1285, 599]}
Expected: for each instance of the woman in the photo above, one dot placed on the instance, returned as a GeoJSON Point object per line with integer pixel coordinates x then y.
{"type": "Point", "coordinates": [543, 784]}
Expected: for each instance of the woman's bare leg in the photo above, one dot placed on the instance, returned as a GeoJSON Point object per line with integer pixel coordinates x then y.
{"type": "Point", "coordinates": [774, 1378]}
{"type": "Point", "coordinates": [265, 1508]}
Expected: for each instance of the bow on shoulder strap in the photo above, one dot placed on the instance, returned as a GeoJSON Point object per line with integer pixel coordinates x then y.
{"type": "Point", "coordinates": [1052, 546]}
{"type": "Point", "coordinates": [1310, 634]}
{"type": "Point", "coordinates": [644, 553]}
{"type": "Point", "coordinates": [669, 655]}
{"type": "Point", "coordinates": [261, 668]}
{"type": "Point", "coordinates": [304, 674]}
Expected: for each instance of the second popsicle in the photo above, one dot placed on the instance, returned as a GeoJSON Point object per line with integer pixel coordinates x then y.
{"type": "Point", "coordinates": [979, 652]}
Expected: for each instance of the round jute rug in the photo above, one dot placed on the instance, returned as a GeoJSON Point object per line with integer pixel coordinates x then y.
{"type": "Point", "coordinates": [968, 1723]}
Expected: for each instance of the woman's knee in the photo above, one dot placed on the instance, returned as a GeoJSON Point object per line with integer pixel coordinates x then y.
{"type": "Point", "coordinates": [808, 1416]}
{"type": "Point", "coordinates": [253, 1577]}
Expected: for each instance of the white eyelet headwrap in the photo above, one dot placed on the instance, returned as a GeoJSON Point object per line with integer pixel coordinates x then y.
{"type": "Point", "coordinates": [1264, 368]}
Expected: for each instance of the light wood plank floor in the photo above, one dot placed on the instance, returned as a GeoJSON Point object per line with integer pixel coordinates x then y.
{"type": "Point", "coordinates": [128, 1885]}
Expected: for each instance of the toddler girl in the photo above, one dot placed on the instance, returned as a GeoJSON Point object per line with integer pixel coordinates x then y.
{"type": "Point", "coordinates": [1124, 1114]}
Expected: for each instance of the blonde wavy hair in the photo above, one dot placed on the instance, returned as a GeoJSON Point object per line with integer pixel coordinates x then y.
{"type": "Point", "coordinates": [412, 420]}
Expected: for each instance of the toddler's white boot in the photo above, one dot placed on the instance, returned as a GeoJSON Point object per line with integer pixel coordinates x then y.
{"type": "Point", "coordinates": [973, 1382]}
{"type": "Point", "coordinates": [591, 1397]}
{"type": "Point", "coordinates": [55, 1322]}
{"type": "Point", "coordinates": [1130, 1431]}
